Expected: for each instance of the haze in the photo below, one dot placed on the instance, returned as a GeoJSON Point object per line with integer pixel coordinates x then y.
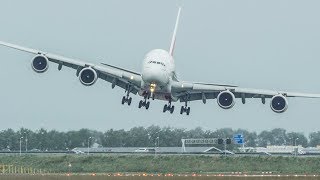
{"type": "Point", "coordinates": [257, 44]}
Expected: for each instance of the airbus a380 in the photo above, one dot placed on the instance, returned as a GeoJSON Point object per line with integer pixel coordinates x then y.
{"type": "Point", "coordinates": [158, 80]}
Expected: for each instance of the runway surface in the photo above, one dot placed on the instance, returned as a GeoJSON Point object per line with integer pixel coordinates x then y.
{"type": "Point", "coordinates": [156, 177]}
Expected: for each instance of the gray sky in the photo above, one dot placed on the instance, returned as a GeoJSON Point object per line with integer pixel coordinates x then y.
{"type": "Point", "coordinates": [258, 44]}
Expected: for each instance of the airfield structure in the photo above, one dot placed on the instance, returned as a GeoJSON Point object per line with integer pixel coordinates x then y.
{"type": "Point", "coordinates": [199, 142]}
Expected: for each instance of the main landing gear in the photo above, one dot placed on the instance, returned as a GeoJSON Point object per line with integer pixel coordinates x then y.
{"type": "Point", "coordinates": [145, 103]}
{"type": "Point", "coordinates": [185, 109]}
{"type": "Point", "coordinates": [127, 99]}
{"type": "Point", "coordinates": [168, 107]}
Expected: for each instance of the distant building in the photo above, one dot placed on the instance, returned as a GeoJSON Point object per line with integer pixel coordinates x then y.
{"type": "Point", "coordinates": [134, 149]}
{"type": "Point", "coordinates": [275, 149]}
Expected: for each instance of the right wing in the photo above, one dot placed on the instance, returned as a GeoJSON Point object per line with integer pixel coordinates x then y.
{"type": "Point", "coordinates": [123, 78]}
{"type": "Point", "coordinates": [188, 91]}
{"type": "Point", "coordinates": [211, 91]}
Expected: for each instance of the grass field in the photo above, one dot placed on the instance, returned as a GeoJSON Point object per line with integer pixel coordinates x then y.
{"type": "Point", "coordinates": [165, 164]}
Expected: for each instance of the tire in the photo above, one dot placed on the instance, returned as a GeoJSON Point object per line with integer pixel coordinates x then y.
{"type": "Point", "coordinates": [172, 109]}
{"type": "Point", "coordinates": [123, 100]}
{"type": "Point", "coordinates": [140, 104]}
{"type": "Point", "coordinates": [147, 105]}
{"type": "Point", "coordinates": [129, 101]}
{"type": "Point", "coordinates": [181, 110]}
{"type": "Point", "coordinates": [165, 107]}
{"type": "Point", "coordinates": [188, 111]}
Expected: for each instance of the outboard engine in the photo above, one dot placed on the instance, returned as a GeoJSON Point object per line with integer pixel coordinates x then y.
{"type": "Point", "coordinates": [40, 63]}
{"type": "Point", "coordinates": [88, 76]}
{"type": "Point", "coordinates": [279, 103]}
{"type": "Point", "coordinates": [226, 99]}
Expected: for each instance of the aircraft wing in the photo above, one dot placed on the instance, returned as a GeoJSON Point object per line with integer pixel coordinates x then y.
{"type": "Point", "coordinates": [115, 75]}
{"type": "Point", "coordinates": [188, 91]}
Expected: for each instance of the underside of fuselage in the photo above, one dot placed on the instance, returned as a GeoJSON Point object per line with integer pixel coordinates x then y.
{"type": "Point", "coordinates": [165, 96]}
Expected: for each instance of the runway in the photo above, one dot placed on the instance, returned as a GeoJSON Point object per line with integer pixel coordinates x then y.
{"type": "Point", "coordinates": [155, 177]}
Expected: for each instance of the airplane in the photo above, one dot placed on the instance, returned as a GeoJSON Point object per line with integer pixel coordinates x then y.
{"type": "Point", "coordinates": [158, 80]}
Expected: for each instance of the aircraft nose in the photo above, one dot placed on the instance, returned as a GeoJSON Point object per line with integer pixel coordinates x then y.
{"type": "Point", "coordinates": [151, 75]}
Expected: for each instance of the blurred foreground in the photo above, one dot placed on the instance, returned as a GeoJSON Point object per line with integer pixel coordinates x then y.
{"type": "Point", "coordinates": [102, 177]}
{"type": "Point", "coordinates": [158, 164]}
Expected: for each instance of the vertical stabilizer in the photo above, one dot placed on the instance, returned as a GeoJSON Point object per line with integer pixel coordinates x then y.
{"type": "Point", "coordinates": [173, 41]}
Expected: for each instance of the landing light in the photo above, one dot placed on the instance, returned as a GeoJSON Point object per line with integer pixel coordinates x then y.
{"type": "Point", "coordinates": [131, 77]}
{"type": "Point", "coordinates": [152, 87]}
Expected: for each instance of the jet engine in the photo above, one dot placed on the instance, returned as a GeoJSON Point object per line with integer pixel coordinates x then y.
{"type": "Point", "coordinates": [279, 103]}
{"type": "Point", "coordinates": [226, 99]}
{"type": "Point", "coordinates": [40, 63]}
{"type": "Point", "coordinates": [88, 76]}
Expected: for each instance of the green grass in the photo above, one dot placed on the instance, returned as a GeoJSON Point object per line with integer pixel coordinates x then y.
{"type": "Point", "coordinates": [164, 164]}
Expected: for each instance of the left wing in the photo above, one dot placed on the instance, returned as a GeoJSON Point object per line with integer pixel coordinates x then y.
{"type": "Point", "coordinates": [121, 77]}
{"type": "Point", "coordinates": [225, 94]}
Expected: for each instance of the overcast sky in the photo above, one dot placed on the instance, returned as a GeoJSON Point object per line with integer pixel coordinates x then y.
{"type": "Point", "coordinates": [257, 44]}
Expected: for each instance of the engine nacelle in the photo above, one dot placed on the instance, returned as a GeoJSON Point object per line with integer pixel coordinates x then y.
{"type": "Point", "coordinates": [40, 63]}
{"type": "Point", "coordinates": [88, 76]}
{"type": "Point", "coordinates": [226, 99]}
{"type": "Point", "coordinates": [279, 103]}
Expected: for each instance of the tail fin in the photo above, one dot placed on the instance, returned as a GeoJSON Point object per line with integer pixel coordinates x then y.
{"type": "Point", "coordinates": [173, 41]}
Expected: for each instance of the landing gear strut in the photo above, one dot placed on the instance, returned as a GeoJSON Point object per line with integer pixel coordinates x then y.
{"type": "Point", "coordinates": [127, 98]}
{"type": "Point", "coordinates": [168, 107]}
{"type": "Point", "coordinates": [185, 109]}
{"type": "Point", "coordinates": [145, 103]}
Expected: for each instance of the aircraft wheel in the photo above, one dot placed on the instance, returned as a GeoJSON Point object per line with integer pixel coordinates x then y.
{"type": "Point", "coordinates": [181, 110]}
{"type": "Point", "coordinates": [165, 108]}
{"type": "Point", "coordinates": [147, 105]}
{"type": "Point", "coordinates": [188, 111]}
{"type": "Point", "coordinates": [172, 109]}
{"type": "Point", "coordinates": [123, 100]}
{"type": "Point", "coordinates": [140, 104]}
{"type": "Point", "coordinates": [129, 101]}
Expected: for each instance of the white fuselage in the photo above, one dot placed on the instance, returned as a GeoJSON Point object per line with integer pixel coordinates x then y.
{"type": "Point", "coordinates": [157, 72]}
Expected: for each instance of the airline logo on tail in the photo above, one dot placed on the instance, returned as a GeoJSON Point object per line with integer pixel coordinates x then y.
{"type": "Point", "coordinates": [173, 41]}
